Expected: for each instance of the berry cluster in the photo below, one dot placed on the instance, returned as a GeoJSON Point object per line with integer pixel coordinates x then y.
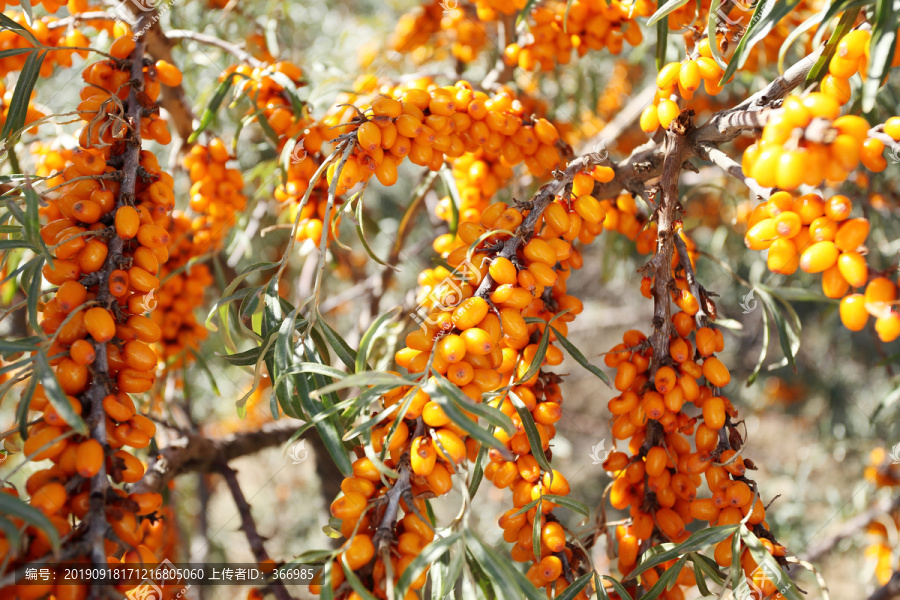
{"type": "Point", "coordinates": [425, 125]}
{"type": "Point", "coordinates": [818, 236]}
{"type": "Point", "coordinates": [658, 479]}
{"type": "Point", "coordinates": [684, 78]}
{"type": "Point", "coordinates": [103, 229]}
{"type": "Point", "coordinates": [557, 28]}
{"type": "Point", "coordinates": [807, 141]}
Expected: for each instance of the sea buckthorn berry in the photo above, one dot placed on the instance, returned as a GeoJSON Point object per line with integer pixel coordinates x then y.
{"type": "Point", "coordinates": [819, 257]}
{"type": "Point", "coordinates": [100, 324]}
{"type": "Point", "coordinates": [89, 458]}
{"type": "Point", "coordinates": [716, 372]}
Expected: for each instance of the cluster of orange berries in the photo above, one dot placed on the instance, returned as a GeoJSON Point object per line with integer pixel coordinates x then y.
{"type": "Point", "coordinates": [480, 351]}
{"type": "Point", "coordinates": [807, 141]}
{"type": "Point", "coordinates": [557, 28]}
{"type": "Point", "coordinates": [432, 23]}
{"type": "Point", "coordinates": [684, 78]}
{"type": "Point", "coordinates": [261, 86]}
{"type": "Point", "coordinates": [490, 10]}
{"type": "Point", "coordinates": [425, 125]}
{"type": "Point", "coordinates": [101, 332]}
{"type": "Point", "coordinates": [884, 472]}
{"type": "Point", "coordinates": [851, 57]}
{"type": "Point", "coordinates": [818, 236]}
{"type": "Point", "coordinates": [48, 36]}
{"type": "Point", "coordinates": [658, 479]}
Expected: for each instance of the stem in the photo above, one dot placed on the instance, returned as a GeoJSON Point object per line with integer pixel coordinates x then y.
{"type": "Point", "coordinates": [239, 53]}
{"type": "Point", "coordinates": [727, 164]}
{"type": "Point", "coordinates": [248, 525]}
{"type": "Point", "coordinates": [666, 215]}
{"type": "Point", "coordinates": [540, 202]}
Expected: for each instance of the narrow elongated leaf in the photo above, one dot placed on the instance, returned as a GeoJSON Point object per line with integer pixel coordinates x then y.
{"type": "Point", "coordinates": [665, 9]}
{"type": "Point", "coordinates": [819, 69]}
{"type": "Point", "coordinates": [617, 586]}
{"type": "Point", "coordinates": [698, 541]}
{"type": "Point", "coordinates": [18, 106]}
{"type": "Point", "coordinates": [14, 507]}
{"type": "Point", "coordinates": [580, 358]}
{"type": "Point", "coordinates": [55, 394]}
{"type": "Point", "coordinates": [441, 393]}
{"type": "Point", "coordinates": [881, 49]}
{"type": "Point", "coordinates": [8, 23]}
{"type": "Point", "coordinates": [355, 583]}
{"type": "Point", "coordinates": [431, 553]}
{"type": "Point", "coordinates": [499, 569]}
{"type": "Point", "coordinates": [531, 432]}
{"type": "Point", "coordinates": [363, 355]}
{"type": "Point", "coordinates": [766, 15]}
{"type": "Point", "coordinates": [662, 37]}
{"type": "Point", "coordinates": [575, 587]}
{"type": "Point", "coordinates": [345, 353]}
{"type": "Point", "coordinates": [569, 503]}
{"type": "Point", "coordinates": [668, 577]}
{"type": "Point", "coordinates": [212, 108]}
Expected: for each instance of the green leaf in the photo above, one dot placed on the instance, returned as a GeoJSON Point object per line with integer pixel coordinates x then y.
{"type": "Point", "coordinates": [8, 347]}
{"type": "Point", "coordinates": [575, 587]}
{"type": "Point", "coordinates": [569, 503]}
{"type": "Point", "coordinates": [698, 541]}
{"type": "Point", "coordinates": [441, 391]}
{"type": "Point", "coordinates": [26, 8]}
{"type": "Point", "coordinates": [580, 358]}
{"type": "Point", "coordinates": [354, 581]}
{"type": "Point", "coordinates": [766, 15]}
{"type": "Point", "coordinates": [213, 107]}
{"type": "Point", "coordinates": [709, 567]}
{"type": "Point", "coordinates": [345, 353]}
{"type": "Point", "coordinates": [32, 277]}
{"type": "Point", "coordinates": [14, 507]}
{"type": "Point", "coordinates": [55, 394]}
{"type": "Point", "coordinates": [788, 328]}
{"type": "Point", "coordinates": [617, 586]}
{"type": "Point", "coordinates": [367, 339]}
{"type": "Point", "coordinates": [8, 23]}
{"type": "Point", "coordinates": [881, 49]}
{"type": "Point", "coordinates": [429, 554]}
{"type": "Point", "coordinates": [764, 350]}
{"type": "Point", "coordinates": [662, 37]}
{"type": "Point", "coordinates": [769, 566]}
{"type": "Point", "coordinates": [13, 244]}
{"type": "Point", "coordinates": [819, 69]}
{"type": "Point", "coordinates": [247, 358]}
{"type": "Point", "coordinates": [18, 106]}
{"type": "Point", "coordinates": [508, 579]}
{"type": "Point", "coordinates": [455, 200]}
{"type": "Point", "coordinates": [478, 469]}
{"type": "Point", "coordinates": [534, 438]}
{"type": "Point", "coordinates": [668, 578]}
{"type": "Point", "coordinates": [665, 10]}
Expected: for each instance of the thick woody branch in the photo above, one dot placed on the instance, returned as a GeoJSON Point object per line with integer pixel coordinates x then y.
{"type": "Point", "coordinates": [193, 452]}
{"type": "Point", "coordinates": [851, 527]}
{"type": "Point", "coordinates": [666, 217]}
{"type": "Point", "coordinates": [646, 162]}
{"type": "Point", "coordinates": [99, 389]}
{"type": "Point", "coordinates": [248, 525]}
{"type": "Point", "coordinates": [172, 99]}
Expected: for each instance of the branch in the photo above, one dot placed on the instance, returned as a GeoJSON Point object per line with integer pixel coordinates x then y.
{"type": "Point", "coordinates": [195, 452]}
{"type": "Point", "coordinates": [666, 216]}
{"type": "Point", "coordinates": [172, 99]}
{"type": "Point", "coordinates": [727, 164]}
{"type": "Point", "coordinates": [249, 527]}
{"type": "Point", "coordinates": [851, 527]}
{"type": "Point", "coordinates": [239, 53]}
{"type": "Point", "coordinates": [541, 201]}
{"type": "Point", "coordinates": [502, 72]}
{"type": "Point", "coordinates": [646, 161]}
{"type": "Point", "coordinates": [890, 590]}
{"type": "Point", "coordinates": [99, 388]}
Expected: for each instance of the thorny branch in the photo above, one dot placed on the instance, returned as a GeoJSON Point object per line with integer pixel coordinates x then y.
{"type": "Point", "coordinates": [248, 525]}
{"type": "Point", "coordinates": [98, 526]}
